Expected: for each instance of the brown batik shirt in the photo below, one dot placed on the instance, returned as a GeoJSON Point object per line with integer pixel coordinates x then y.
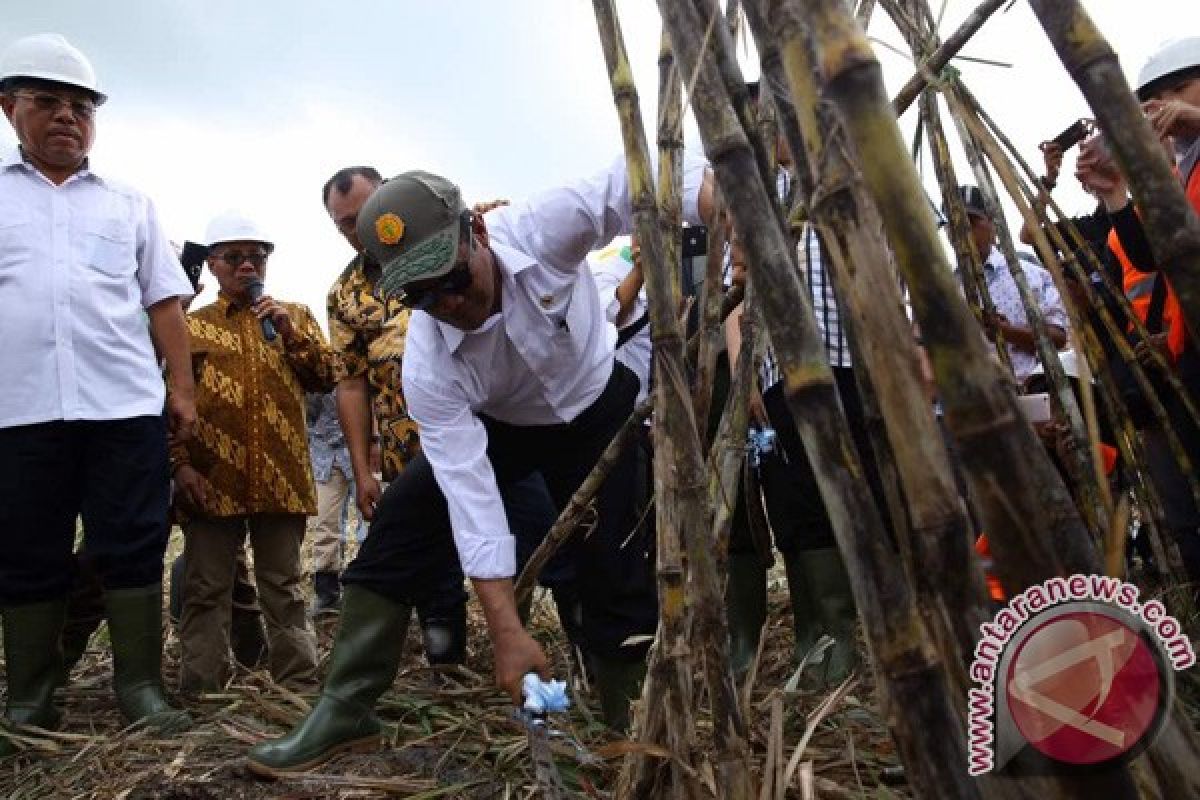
{"type": "Point", "coordinates": [368, 333]}
{"type": "Point", "coordinates": [251, 444]}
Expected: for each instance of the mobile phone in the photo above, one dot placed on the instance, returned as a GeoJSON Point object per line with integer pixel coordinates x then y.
{"type": "Point", "coordinates": [1073, 135]}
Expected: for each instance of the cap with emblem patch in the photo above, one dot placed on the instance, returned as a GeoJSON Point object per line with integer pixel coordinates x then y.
{"type": "Point", "coordinates": [411, 225]}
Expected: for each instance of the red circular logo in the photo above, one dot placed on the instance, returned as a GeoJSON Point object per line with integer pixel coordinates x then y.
{"type": "Point", "coordinates": [1084, 688]}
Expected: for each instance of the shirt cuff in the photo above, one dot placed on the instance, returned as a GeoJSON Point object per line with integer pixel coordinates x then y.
{"type": "Point", "coordinates": [487, 557]}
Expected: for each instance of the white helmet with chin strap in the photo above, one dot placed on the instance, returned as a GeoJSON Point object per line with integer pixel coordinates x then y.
{"type": "Point", "coordinates": [233, 226]}
{"type": "Point", "coordinates": [48, 57]}
{"type": "Point", "coordinates": [1174, 57]}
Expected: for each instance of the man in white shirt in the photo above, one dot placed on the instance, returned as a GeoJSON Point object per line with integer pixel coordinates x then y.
{"type": "Point", "coordinates": [1010, 320]}
{"type": "Point", "coordinates": [83, 265]}
{"type": "Point", "coordinates": [508, 369]}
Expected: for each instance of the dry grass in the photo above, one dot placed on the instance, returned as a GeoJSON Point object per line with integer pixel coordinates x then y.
{"type": "Point", "coordinates": [448, 735]}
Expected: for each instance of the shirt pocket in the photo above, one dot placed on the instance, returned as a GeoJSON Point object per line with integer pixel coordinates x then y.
{"type": "Point", "coordinates": [16, 246]}
{"type": "Point", "coordinates": [108, 246]}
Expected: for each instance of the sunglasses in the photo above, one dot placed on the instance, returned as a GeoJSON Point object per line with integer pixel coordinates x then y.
{"type": "Point", "coordinates": [234, 258]}
{"type": "Point", "coordinates": [51, 103]}
{"type": "Point", "coordinates": [456, 281]}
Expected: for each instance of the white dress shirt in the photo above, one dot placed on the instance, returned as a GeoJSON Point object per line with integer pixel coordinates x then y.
{"type": "Point", "coordinates": [542, 360]}
{"type": "Point", "coordinates": [609, 268]}
{"type": "Point", "coordinates": [79, 263]}
{"type": "Point", "coordinates": [1007, 299]}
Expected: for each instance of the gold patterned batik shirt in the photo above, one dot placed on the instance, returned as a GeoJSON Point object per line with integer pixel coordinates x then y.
{"type": "Point", "coordinates": [368, 333]}
{"type": "Point", "coordinates": [250, 443]}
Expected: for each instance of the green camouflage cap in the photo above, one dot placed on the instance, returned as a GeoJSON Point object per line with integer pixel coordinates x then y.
{"type": "Point", "coordinates": [411, 226]}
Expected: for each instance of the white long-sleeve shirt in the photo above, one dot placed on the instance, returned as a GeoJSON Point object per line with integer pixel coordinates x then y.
{"type": "Point", "coordinates": [79, 264]}
{"type": "Point", "coordinates": [541, 360]}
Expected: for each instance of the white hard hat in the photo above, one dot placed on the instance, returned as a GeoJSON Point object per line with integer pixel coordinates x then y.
{"type": "Point", "coordinates": [49, 57]}
{"type": "Point", "coordinates": [1174, 56]}
{"type": "Point", "coordinates": [234, 226]}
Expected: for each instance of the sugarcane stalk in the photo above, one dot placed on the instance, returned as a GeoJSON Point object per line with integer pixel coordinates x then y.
{"type": "Point", "coordinates": [1116, 333]}
{"type": "Point", "coordinates": [813, 401]}
{"type": "Point", "coordinates": [1171, 223]}
{"type": "Point", "coordinates": [939, 58]}
{"type": "Point", "coordinates": [1031, 519]}
{"type": "Point", "coordinates": [853, 80]}
{"type": "Point", "coordinates": [572, 515]}
{"type": "Point", "coordinates": [878, 330]}
{"type": "Point", "coordinates": [678, 464]}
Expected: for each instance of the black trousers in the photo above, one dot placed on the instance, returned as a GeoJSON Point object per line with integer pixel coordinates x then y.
{"type": "Point", "coordinates": [112, 472]}
{"type": "Point", "coordinates": [793, 500]}
{"type": "Point", "coordinates": [410, 546]}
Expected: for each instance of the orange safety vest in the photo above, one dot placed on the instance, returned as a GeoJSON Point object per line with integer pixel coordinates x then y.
{"type": "Point", "coordinates": [1139, 286]}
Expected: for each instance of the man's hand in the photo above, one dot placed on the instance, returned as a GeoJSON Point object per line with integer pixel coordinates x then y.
{"type": "Point", "coordinates": [517, 654]}
{"type": "Point", "coordinates": [268, 308]}
{"type": "Point", "coordinates": [994, 323]}
{"type": "Point", "coordinates": [1144, 350]}
{"type": "Point", "coordinates": [1173, 117]}
{"type": "Point", "coordinates": [1052, 156]}
{"type": "Point", "coordinates": [367, 492]}
{"type": "Point", "coordinates": [488, 205]}
{"type": "Point", "coordinates": [181, 412]}
{"type": "Point", "coordinates": [1099, 174]}
{"type": "Point", "coordinates": [191, 487]}
{"type": "Point", "coordinates": [515, 651]}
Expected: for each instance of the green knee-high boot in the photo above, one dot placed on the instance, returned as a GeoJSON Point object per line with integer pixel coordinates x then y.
{"type": "Point", "coordinates": [33, 653]}
{"type": "Point", "coordinates": [831, 592]}
{"type": "Point", "coordinates": [806, 615]}
{"type": "Point", "coordinates": [366, 656]}
{"type": "Point", "coordinates": [746, 608]}
{"type": "Point", "coordinates": [135, 626]}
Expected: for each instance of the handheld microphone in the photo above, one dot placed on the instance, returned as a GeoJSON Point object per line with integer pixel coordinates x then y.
{"type": "Point", "coordinates": [254, 288]}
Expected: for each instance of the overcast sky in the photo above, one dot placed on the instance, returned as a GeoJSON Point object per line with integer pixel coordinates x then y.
{"type": "Point", "coordinates": [253, 104]}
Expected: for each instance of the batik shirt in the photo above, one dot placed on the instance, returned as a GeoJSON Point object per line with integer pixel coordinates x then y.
{"type": "Point", "coordinates": [326, 442]}
{"type": "Point", "coordinates": [368, 333]}
{"type": "Point", "coordinates": [251, 442]}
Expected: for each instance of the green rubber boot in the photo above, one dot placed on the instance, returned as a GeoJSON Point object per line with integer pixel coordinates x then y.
{"type": "Point", "coordinates": [366, 656]}
{"type": "Point", "coordinates": [618, 683]}
{"type": "Point", "coordinates": [33, 654]}
{"type": "Point", "coordinates": [135, 626]}
{"type": "Point", "coordinates": [831, 591]}
{"type": "Point", "coordinates": [806, 615]}
{"type": "Point", "coordinates": [746, 608]}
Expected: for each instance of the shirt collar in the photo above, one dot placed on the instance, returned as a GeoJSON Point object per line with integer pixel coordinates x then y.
{"type": "Point", "coordinates": [13, 157]}
{"type": "Point", "coordinates": [227, 305]}
{"type": "Point", "coordinates": [511, 263]}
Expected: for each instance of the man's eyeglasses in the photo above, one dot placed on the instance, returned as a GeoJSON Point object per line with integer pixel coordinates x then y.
{"type": "Point", "coordinates": [51, 103]}
{"type": "Point", "coordinates": [234, 258]}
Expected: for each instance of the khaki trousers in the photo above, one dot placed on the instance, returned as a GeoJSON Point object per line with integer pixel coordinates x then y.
{"type": "Point", "coordinates": [211, 547]}
{"type": "Point", "coordinates": [326, 526]}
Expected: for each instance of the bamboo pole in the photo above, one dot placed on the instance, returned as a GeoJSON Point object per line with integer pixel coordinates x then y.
{"type": "Point", "coordinates": [678, 465]}
{"type": "Point", "coordinates": [1171, 223]}
{"type": "Point", "coordinates": [813, 401]}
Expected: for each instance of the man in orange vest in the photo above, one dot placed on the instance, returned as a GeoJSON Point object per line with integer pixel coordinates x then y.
{"type": "Point", "coordinates": [1169, 87]}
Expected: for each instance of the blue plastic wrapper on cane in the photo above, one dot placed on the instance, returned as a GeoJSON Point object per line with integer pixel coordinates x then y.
{"type": "Point", "coordinates": [542, 697]}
